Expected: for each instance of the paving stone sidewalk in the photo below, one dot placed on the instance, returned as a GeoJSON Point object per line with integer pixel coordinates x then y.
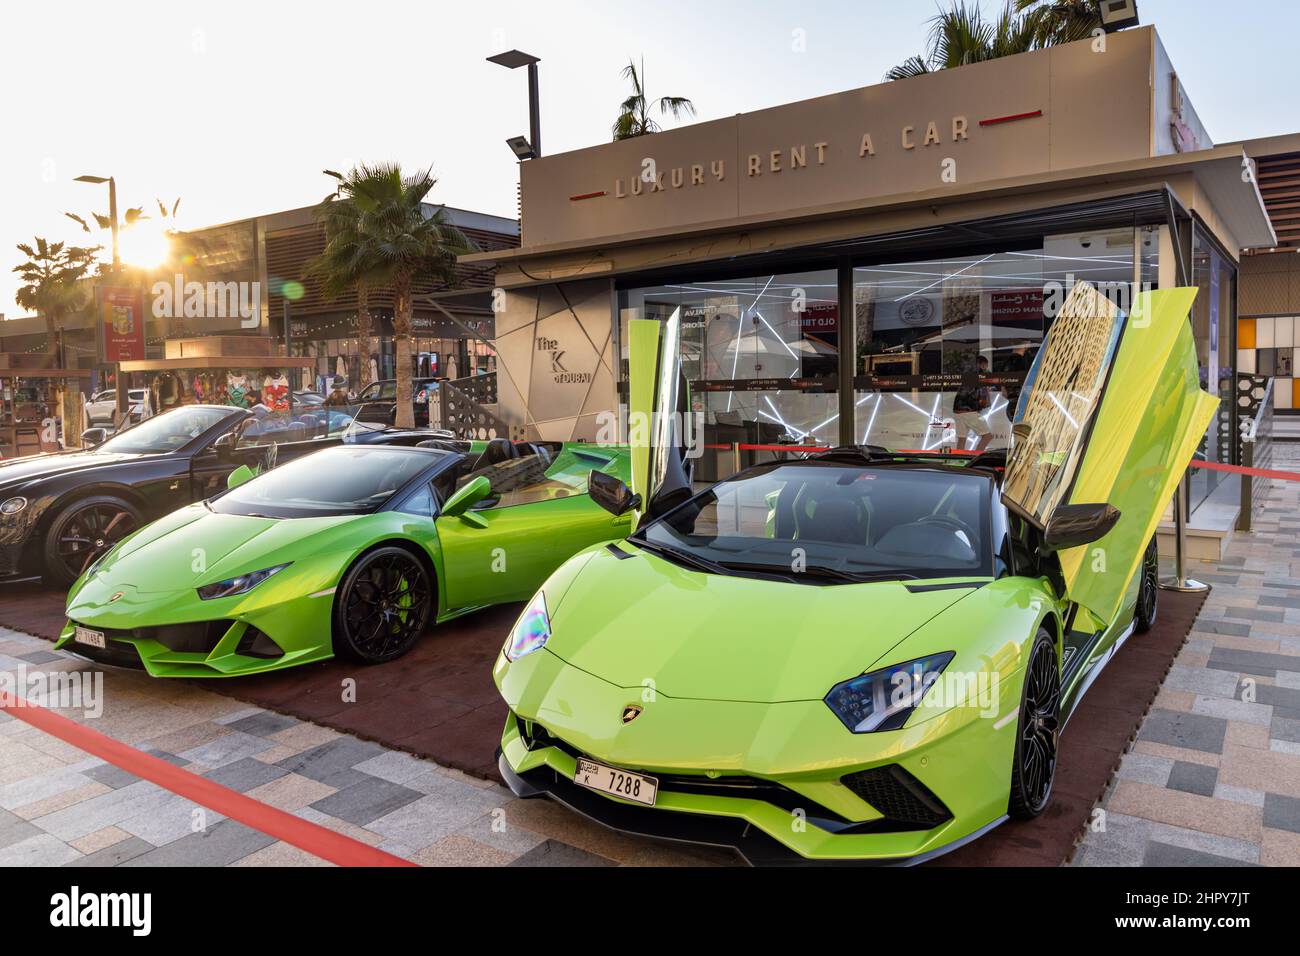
{"type": "Point", "coordinates": [60, 807]}
{"type": "Point", "coordinates": [1213, 778]}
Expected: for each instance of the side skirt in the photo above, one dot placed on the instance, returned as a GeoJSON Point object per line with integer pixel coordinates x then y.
{"type": "Point", "coordinates": [1076, 693]}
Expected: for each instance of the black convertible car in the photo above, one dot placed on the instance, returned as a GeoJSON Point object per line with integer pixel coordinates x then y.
{"type": "Point", "coordinates": [61, 511]}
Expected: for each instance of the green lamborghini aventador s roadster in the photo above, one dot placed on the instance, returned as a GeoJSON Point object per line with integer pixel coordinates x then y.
{"type": "Point", "coordinates": [858, 655]}
{"type": "Point", "coordinates": [352, 550]}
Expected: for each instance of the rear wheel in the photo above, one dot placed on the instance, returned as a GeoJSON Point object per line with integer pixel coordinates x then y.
{"type": "Point", "coordinates": [82, 532]}
{"type": "Point", "coordinates": [382, 606]}
{"type": "Point", "coordinates": [1034, 765]}
{"type": "Point", "coordinates": [1148, 589]}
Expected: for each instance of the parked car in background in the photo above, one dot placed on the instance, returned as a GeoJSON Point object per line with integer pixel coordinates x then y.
{"type": "Point", "coordinates": [60, 512]}
{"type": "Point", "coordinates": [380, 400]}
{"type": "Point", "coordinates": [102, 407]}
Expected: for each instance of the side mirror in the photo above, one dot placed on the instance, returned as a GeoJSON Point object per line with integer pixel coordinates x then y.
{"type": "Point", "coordinates": [94, 436]}
{"type": "Point", "coordinates": [225, 446]}
{"type": "Point", "coordinates": [1072, 525]}
{"type": "Point", "coordinates": [467, 497]}
{"type": "Point", "coordinates": [612, 494]}
{"type": "Point", "coordinates": [240, 475]}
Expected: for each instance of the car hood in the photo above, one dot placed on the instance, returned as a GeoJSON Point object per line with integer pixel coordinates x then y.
{"type": "Point", "coordinates": [642, 621]}
{"type": "Point", "coordinates": [195, 546]}
{"type": "Point", "coordinates": [46, 466]}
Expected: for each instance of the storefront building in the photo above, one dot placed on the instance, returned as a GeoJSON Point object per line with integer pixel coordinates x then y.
{"type": "Point", "coordinates": [453, 327]}
{"type": "Point", "coordinates": [250, 276]}
{"type": "Point", "coordinates": [876, 266]}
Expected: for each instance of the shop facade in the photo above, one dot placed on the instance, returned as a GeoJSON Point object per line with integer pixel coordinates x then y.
{"type": "Point", "coordinates": [877, 266]}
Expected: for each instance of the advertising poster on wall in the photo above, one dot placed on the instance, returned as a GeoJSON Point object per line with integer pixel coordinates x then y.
{"type": "Point", "coordinates": [121, 316]}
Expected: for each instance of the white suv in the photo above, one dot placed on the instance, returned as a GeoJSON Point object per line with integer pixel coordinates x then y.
{"type": "Point", "coordinates": [102, 407]}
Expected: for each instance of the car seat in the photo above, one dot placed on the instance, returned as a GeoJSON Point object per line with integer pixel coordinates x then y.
{"type": "Point", "coordinates": [497, 451]}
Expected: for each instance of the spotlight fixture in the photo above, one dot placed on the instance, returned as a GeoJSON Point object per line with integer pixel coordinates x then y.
{"type": "Point", "coordinates": [520, 146]}
{"type": "Point", "coordinates": [1117, 14]}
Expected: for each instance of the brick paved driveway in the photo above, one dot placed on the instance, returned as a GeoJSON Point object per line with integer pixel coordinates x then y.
{"type": "Point", "coordinates": [1214, 776]}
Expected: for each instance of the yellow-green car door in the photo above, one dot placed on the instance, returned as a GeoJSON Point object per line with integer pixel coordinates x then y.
{"type": "Point", "coordinates": [1127, 442]}
{"type": "Point", "coordinates": [539, 516]}
{"type": "Point", "coordinates": [658, 409]}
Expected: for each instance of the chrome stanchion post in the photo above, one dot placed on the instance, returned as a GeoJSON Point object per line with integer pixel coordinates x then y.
{"type": "Point", "coordinates": [1180, 581]}
{"type": "Point", "coordinates": [735, 457]}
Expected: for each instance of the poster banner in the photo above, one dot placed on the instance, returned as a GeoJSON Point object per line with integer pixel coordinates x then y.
{"type": "Point", "coordinates": [121, 316]}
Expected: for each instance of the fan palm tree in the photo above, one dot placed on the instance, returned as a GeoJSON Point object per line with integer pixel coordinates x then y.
{"type": "Point", "coordinates": [350, 260]}
{"type": "Point", "coordinates": [396, 239]}
{"type": "Point", "coordinates": [962, 35]}
{"type": "Point", "coordinates": [52, 287]}
{"type": "Point", "coordinates": [634, 117]}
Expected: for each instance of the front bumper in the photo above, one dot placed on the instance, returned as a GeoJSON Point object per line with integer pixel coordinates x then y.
{"type": "Point", "coordinates": [176, 641]}
{"type": "Point", "coordinates": [778, 783]}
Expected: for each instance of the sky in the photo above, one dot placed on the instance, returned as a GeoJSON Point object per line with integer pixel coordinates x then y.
{"type": "Point", "coordinates": [236, 107]}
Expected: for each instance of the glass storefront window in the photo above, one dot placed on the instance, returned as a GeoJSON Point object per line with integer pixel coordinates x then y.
{"type": "Point", "coordinates": [761, 355]}
{"type": "Point", "coordinates": [943, 345]}
{"type": "Point", "coordinates": [1214, 318]}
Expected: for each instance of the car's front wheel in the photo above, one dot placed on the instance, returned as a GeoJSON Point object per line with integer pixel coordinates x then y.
{"type": "Point", "coordinates": [382, 606]}
{"type": "Point", "coordinates": [1148, 589]}
{"type": "Point", "coordinates": [1034, 765]}
{"type": "Point", "coordinates": [82, 532]}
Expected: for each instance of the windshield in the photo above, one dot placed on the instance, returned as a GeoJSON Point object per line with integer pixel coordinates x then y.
{"type": "Point", "coordinates": [169, 431]}
{"type": "Point", "coordinates": [341, 480]}
{"type": "Point", "coordinates": [835, 521]}
{"type": "Point", "coordinates": [316, 421]}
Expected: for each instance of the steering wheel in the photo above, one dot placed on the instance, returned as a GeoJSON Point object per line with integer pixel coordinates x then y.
{"type": "Point", "coordinates": [948, 521]}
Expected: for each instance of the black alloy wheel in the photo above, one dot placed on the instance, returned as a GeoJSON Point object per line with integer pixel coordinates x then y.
{"type": "Point", "coordinates": [1148, 589]}
{"type": "Point", "coordinates": [383, 606]}
{"type": "Point", "coordinates": [83, 532]}
{"type": "Point", "coordinates": [1034, 766]}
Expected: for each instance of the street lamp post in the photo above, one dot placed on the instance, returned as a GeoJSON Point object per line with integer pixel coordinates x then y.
{"type": "Point", "coordinates": [112, 211]}
{"type": "Point", "coordinates": [512, 60]}
{"type": "Point", "coordinates": [122, 394]}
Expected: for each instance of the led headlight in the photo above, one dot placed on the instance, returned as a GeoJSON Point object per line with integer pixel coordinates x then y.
{"type": "Point", "coordinates": [238, 585]}
{"type": "Point", "coordinates": [884, 699]}
{"type": "Point", "coordinates": [531, 632]}
{"type": "Point", "coordinates": [11, 506]}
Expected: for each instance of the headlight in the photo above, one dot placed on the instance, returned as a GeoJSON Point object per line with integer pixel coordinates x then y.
{"type": "Point", "coordinates": [531, 632]}
{"type": "Point", "coordinates": [11, 506]}
{"type": "Point", "coordinates": [240, 585]}
{"type": "Point", "coordinates": [884, 699]}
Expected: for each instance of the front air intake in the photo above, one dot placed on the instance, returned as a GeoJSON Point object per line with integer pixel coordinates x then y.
{"type": "Point", "coordinates": [899, 797]}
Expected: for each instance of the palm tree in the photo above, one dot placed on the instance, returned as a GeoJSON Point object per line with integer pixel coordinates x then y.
{"type": "Point", "coordinates": [634, 112]}
{"type": "Point", "coordinates": [962, 35]}
{"type": "Point", "coordinates": [52, 287]}
{"type": "Point", "coordinates": [1061, 21]}
{"type": "Point", "coordinates": [350, 260]}
{"type": "Point", "coordinates": [396, 239]}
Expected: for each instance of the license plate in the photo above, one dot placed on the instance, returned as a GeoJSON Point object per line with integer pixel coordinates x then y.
{"type": "Point", "coordinates": [84, 635]}
{"type": "Point", "coordinates": [619, 783]}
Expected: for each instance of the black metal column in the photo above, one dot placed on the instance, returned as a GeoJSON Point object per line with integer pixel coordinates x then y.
{"type": "Point", "coordinates": [848, 339]}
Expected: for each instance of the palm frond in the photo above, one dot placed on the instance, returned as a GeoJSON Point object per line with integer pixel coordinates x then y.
{"type": "Point", "coordinates": [676, 105]}
{"type": "Point", "coordinates": [912, 66]}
